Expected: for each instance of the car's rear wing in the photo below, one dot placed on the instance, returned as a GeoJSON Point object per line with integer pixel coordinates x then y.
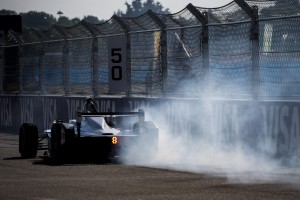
{"type": "Point", "coordinates": [111, 114]}
{"type": "Point", "coordinates": [79, 115]}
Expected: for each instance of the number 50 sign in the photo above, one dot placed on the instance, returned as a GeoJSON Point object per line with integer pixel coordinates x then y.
{"type": "Point", "coordinates": [117, 69]}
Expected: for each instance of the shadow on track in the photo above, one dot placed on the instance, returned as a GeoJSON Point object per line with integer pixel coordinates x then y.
{"type": "Point", "coordinates": [45, 160]}
{"type": "Point", "coordinates": [14, 158]}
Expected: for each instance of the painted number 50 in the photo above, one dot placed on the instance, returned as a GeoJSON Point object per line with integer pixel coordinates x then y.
{"type": "Point", "coordinates": [116, 70]}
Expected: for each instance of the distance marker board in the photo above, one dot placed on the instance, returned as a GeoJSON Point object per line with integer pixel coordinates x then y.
{"type": "Point", "coordinates": [117, 66]}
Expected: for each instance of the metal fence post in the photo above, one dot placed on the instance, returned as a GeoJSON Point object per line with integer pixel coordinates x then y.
{"type": "Point", "coordinates": [95, 65]}
{"type": "Point", "coordinates": [164, 57]}
{"type": "Point", "coordinates": [163, 50]}
{"type": "Point", "coordinates": [64, 60]}
{"type": "Point", "coordinates": [42, 69]}
{"type": "Point", "coordinates": [21, 82]}
{"type": "Point", "coordinates": [66, 67]}
{"type": "Point", "coordinates": [1, 68]}
{"type": "Point", "coordinates": [203, 18]}
{"type": "Point", "coordinates": [254, 36]}
{"type": "Point", "coordinates": [94, 55]}
{"type": "Point", "coordinates": [255, 52]}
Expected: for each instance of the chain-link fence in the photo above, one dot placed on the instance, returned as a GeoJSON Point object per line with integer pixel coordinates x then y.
{"type": "Point", "coordinates": [244, 49]}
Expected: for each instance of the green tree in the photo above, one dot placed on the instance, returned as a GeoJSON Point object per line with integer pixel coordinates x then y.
{"type": "Point", "coordinates": [37, 20]}
{"type": "Point", "coordinates": [155, 7]}
{"type": "Point", "coordinates": [7, 12]}
{"type": "Point", "coordinates": [75, 20]}
{"type": "Point", "coordinates": [91, 19]}
{"type": "Point", "coordinates": [138, 8]}
{"type": "Point", "coordinates": [64, 21]}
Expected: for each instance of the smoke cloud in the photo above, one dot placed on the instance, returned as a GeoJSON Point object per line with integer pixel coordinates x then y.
{"type": "Point", "coordinates": [231, 139]}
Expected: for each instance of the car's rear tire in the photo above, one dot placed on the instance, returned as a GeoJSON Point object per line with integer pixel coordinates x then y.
{"type": "Point", "coordinates": [150, 139]}
{"type": "Point", "coordinates": [55, 141]}
{"type": "Point", "coordinates": [146, 146]}
{"type": "Point", "coordinates": [28, 140]}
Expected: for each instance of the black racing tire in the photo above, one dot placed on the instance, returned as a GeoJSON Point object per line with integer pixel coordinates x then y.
{"type": "Point", "coordinates": [55, 141]}
{"type": "Point", "coordinates": [28, 140]}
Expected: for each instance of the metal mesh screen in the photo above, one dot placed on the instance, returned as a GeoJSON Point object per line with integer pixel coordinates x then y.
{"type": "Point", "coordinates": [102, 85]}
{"type": "Point", "coordinates": [53, 68]}
{"type": "Point", "coordinates": [184, 54]}
{"type": "Point", "coordinates": [280, 57]}
{"type": "Point", "coordinates": [80, 67]}
{"type": "Point", "coordinates": [145, 63]}
{"type": "Point", "coordinates": [276, 8]}
{"type": "Point", "coordinates": [1, 68]}
{"type": "Point", "coordinates": [11, 69]}
{"type": "Point", "coordinates": [185, 62]}
{"type": "Point", "coordinates": [30, 67]}
{"type": "Point", "coordinates": [230, 59]}
{"type": "Point", "coordinates": [145, 70]}
{"type": "Point", "coordinates": [226, 14]}
{"type": "Point", "coordinates": [192, 53]}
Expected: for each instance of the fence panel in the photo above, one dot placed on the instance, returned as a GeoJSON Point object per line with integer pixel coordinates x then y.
{"type": "Point", "coordinates": [230, 59]}
{"type": "Point", "coordinates": [185, 62]}
{"type": "Point", "coordinates": [145, 63]}
{"type": "Point", "coordinates": [11, 69]}
{"type": "Point", "coordinates": [280, 57]}
{"type": "Point", "coordinates": [53, 68]}
{"type": "Point", "coordinates": [31, 68]}
{"type": "Point", "coordinates": [102, 55]}
{"type": "Point", "coordinates": [168, 54]}
{"type": "Point", "coordinates": [80, 67]}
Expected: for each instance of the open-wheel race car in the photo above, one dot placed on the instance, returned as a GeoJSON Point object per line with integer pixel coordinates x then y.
{"type": "Point", "coordinates": [93, 135]}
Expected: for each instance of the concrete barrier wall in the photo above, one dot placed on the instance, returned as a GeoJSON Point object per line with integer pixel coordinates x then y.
{"type": "Point", "coordinates": [269, 126]}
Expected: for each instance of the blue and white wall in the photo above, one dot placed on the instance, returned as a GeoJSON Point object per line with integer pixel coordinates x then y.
{"type": "Point", "coordinates": [272, 127]}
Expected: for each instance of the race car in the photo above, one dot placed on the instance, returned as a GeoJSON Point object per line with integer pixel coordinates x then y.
{"type": "Point", "coordinates": [93, 135]}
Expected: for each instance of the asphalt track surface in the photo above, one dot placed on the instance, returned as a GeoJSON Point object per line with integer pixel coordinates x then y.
{"type": "Point", "coordinates": [36, 179]}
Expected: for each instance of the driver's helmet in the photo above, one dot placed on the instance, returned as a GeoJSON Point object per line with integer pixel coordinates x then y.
{"type": "Point", "coordinates": [89, 106]}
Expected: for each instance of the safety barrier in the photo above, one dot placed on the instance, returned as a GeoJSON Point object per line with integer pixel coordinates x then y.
{"type": "Point", "coordinates": [245, 49]}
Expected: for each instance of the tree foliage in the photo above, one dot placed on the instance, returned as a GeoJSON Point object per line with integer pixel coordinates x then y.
{"type": "Point", "coordinates": [64, 21]}
{"type": "Point", "coordinates": [138, 8]}
{"type": "Point", "coordinates": [37, 20]}
{"type": "Point", "coordinates": [7, 12]}
{"type": "Point", "coordinates": [43, 21]}
{"type": "Point", "coordinates": [91, 19]}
